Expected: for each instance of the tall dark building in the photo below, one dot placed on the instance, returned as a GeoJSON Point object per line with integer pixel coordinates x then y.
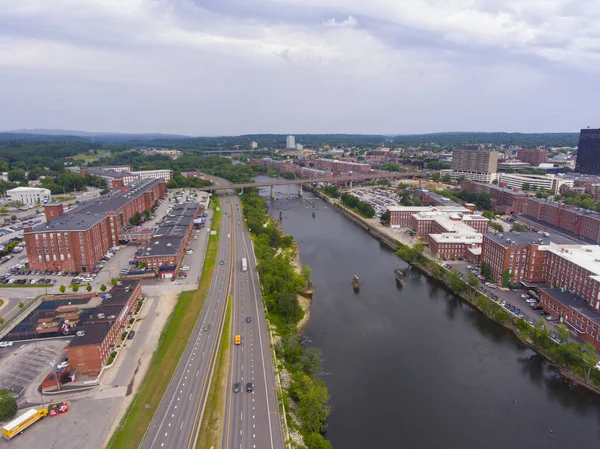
{"type": "Point", "coordinates": [588, 152]}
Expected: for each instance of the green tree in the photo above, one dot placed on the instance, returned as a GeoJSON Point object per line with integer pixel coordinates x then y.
{"type": "Point", "coordinates": [17, 175]}
{"type": "Point", "coordinates": [14, 218]}
{"type": "Point", "coordinates": [316, 441]}
{"type": "Point", "coordinates": [417, 202]}
{"type": "Point", "coordinates": [88, 287]}
{"type": "Point", "coordinates": [103, 288]}
{"type": "Point", "coordinates": [518, 227]}
{"type": "Point", "coordinates": [456, 283]}
{"type": "Point", "coordinates": [506, 278]}
{"type": "Point", "coordinates": [447, 178]}
{"type": "Point", "coordinates": [526, 187]}
{"type": "Point", "coordinates": [590, 358]}
{"type": "Point", "coordinates": [490, 215]}
{"type": "Point", "coordinates": [313, 408]}
{"type": "Point", "coordinates": [62, 288]}
{"type": "Point", "coordinates": [75, 288]}
{"type": "Point", "coordinates": [8, 405]}
{"type": "Point", "coordinates": [385, 218]}
{"type": "Point", "coordinates": [486, 271]}
{"type": "Point", "coordinates": [1, 321]}
{"type": "Point", "coordinates": [496, 226]}
{"type": "Point", "coordinates": [310, 362]}
{"type": "Point", "coordinates": [473, 283]}
{"type": "Point", "coordinates": [21, 305]}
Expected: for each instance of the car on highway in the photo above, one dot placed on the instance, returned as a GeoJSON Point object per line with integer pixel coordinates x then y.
{"type": "Point", "coordinates": [248, 319]}
{"type": "Point", "coordinates": [6, 344]}
{"type": "Point", "coordinates": [222, 263]}
{"type": "Point", "coordinates": [238, 339]}
{"type": "Point", "coordinates": [228, 235]}
{"type": "Point", "coordinates": [206, 327]}
{"type": "Point", "coordinates": [249, 387]}
{"type": "Point", "coordinates": [237, 387]}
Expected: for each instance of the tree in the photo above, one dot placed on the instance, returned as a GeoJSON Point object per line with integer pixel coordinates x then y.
{"type": "Point", "coordinates": [486, 271]}
{"type": "Point", "coordinates": [1, 321]}
{"type": "Point", "coordinates": [496, 226]}
{"type": "Point", "coordinates": [435, 177]}
{"type": "Point", "coordinates": [75, 288]}
{"type": "Point", "coordinates": [456, 283]}
{"type": "Point", "coordinates": [495, 181]}
{"type": "Point", "coordinates": [310, 362]}
{"type": "Point", "coordinates": [8, 405]}
{"type": "Point", "coordinates": [506, 278]}
{"type": "Point", "coordinates": [518, 227]}
{"type": "Point", "coordinates": [417, 202]}
{"type": "Point", "coordinates": [88, 287]}
{"type": "Point", "coordinates": [385, 218]}
{"type": "Point", "coordinates": [62, 288]}
{"type": "Point", "coordinates": [590, 358]}
{"type": "Point", "coordinates": [472, 281]}
{"type": "Point", "coordinates": [490, 215]}
{"type": "Point", "coordinates": [21, 305]}
{"type": "Point", "coordinates": [17, 175]}
{"type": "Point", "coordinates": [526, 187]}
{"type": "Point", "coordinates": [14, 218]}
{"type": "Point", "coordinates": [447, 178]}
{"type": "Point", "coordinates": [103, 288]}
{"type": "Point", "coordinates": [313, 408]}
{"type": "Point", "coordinates": [317, 441]}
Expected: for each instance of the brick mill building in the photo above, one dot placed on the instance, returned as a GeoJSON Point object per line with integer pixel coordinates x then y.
{"type": "Point", "coordinates": [78, 239]}
{"type": "Point", "coordinates": [504, 200]}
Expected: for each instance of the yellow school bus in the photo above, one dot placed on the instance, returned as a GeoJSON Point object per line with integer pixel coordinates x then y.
{"type": "Point", "coordinates": [18, 425]}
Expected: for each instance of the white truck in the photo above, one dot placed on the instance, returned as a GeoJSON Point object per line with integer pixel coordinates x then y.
{"type": "Point", "coordinates": [244, 264]}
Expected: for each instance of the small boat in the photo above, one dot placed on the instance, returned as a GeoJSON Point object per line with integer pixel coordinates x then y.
{"type": "Point", "coordinates": [355, 283]}
{"type": "Point", "coordinates": [399, 277]}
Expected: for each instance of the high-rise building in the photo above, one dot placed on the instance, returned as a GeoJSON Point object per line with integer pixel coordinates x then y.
{"type": "Point", "coordinates": [290, 142]}
{"type": "Point", "coordinates": [588, 152]}
{"type": "Point", "coordinates": [533, 156]}
{"type": "Point", "coordinates": [474, 164]}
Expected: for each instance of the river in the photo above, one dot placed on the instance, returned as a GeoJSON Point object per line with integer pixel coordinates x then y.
{"type": "Point", "coordinates": [415, 367]}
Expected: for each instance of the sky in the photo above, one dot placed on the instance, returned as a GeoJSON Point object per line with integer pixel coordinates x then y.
{"type": "Point", "coordinates": [229, 67]}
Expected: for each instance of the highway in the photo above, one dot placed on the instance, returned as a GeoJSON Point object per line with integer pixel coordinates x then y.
{"type": "Point", "coordinates": [177, 420]}
{"type": "Point", "coordinates": [252, 419]}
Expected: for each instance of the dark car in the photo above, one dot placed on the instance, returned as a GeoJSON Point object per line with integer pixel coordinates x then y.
{"type": "Point", "coordinates": [248, 319]}
{"type": "Point", "coordinates": [237, 387]}
{"type": "Point", "coordinates": [249, 387]}
{"type": "Point", "coordinates": [221, 263]}
{"type": "Point", "coordinates": [206, 327]}
{"type": "Point", "coordinates": [507, 306]}
{"type": "Point", "coordinates": [131, 335]}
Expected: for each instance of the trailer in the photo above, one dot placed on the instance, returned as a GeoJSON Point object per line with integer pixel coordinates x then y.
{"type": "Point", "coordinates": [244, 264]}
{"type": "Point", "coordinates": [18, 425]}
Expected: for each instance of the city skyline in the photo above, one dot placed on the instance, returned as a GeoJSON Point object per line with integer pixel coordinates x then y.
{"type": "Point", "coordinates": [291, 67]}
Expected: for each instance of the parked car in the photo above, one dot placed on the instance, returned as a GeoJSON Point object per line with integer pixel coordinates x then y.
{"type": "Point", "coordinates": [185, 268]}
{"type": "Point", "coordinates": [6, 344]}
{"type": "Point", "coordinates": [131, 335]}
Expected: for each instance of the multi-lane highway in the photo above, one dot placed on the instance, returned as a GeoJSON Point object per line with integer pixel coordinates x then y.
{"type": "Point", "coordinates": [252, 419]}
{"type": "Point", "coordinates": [176, 422]}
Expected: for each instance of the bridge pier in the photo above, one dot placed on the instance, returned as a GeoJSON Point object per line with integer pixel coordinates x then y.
{"type": "Point", "coordinates": [272, 192]}
{"type": "Point", "coordinates": [300, 191]}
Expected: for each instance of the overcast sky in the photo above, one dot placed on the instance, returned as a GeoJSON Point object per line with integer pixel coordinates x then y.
{"type": "Point", "coordinates": [216, 67]}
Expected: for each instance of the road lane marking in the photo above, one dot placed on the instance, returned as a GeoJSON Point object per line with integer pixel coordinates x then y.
{"type": "Point", "coordinates": [181, 426]}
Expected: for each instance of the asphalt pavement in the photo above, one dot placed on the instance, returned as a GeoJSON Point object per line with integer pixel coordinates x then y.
{"type": "Point", "coordinates": [252, 419]}
{"type": "Point", "coordinates": [177, 420]}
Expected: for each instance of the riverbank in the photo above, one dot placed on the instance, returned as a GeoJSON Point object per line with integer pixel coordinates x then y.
{"type": "Point", "coordinates": [303, 300]}
{"type": "Point", "coordinates": [531, 336]}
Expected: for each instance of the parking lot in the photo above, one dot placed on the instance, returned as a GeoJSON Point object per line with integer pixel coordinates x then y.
{"type": "Point", "coordinates": [24, 365]}
{"type": "Point", "coordinates": [380, 199]}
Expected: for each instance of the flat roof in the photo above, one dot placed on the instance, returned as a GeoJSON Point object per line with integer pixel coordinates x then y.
{"type": "Point", "coordinates": [499, 189]}
{"type": "Point", "coordinates": [161, 246]}
{"type": "Point", "coordinates": [524, 238]}
{"type": "Point", "coordinates": [124, 284]}
{"type": "Point", "coordinates": [117, 298]}
{"type": "Point", "coordinates": [94, 334]}
{"type": "Point", "coordinates": [111, 313]}
{"type": "Point", "coordinates": [584, 256]}
{"type": "Point", "coordinates": [427, 209]}
{"type": "Point", "coordinates": [452, 237]}
{"type": "Point", "coordinates": [570, 300]}
{"type": "Point", "coordinates": [88, 214]}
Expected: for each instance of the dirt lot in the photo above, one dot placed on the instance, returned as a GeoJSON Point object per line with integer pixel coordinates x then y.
{"type": "Point", "coordinates": [427, 184]}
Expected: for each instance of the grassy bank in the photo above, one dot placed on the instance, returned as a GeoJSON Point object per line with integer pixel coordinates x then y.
{"type": "Point", "coordinates": [172, 343]}
{"type": "Point", "coordinates": [211, 428]}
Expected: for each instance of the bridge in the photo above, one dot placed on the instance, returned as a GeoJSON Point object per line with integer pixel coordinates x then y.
{"type": "Point", "coordinates": [347, 178]}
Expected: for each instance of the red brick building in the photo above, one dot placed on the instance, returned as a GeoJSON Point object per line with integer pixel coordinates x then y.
{"type": "Point", "coordinates": [77, 240]}
{"type": "Point", "coordinates": [518, 252]}
{"type": "Point", "coordinates": [533, 156]}
{"type": "Point", "coordinates": [582, 222]}
{"type": "Point", "coordinates": [454, 246]}
{"type": "Point", "coordinates": [503, 199]}
{"type": "Point", "coordinates": [101, 328]}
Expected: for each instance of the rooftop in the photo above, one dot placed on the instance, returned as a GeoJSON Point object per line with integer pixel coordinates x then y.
{"type": "Point", "coordinates": [94, 335]}
{"type": "Point", "coordinates": [161, 246]}
{"type": "Point", "coordinates": [124, 284]}
{"type": "Point", "coordinates": [584, 256]}
{"type": "Point", "coordinates": [416, 209]}
{"type": "Point", "coordinates": [117, 298]}
{"type": "Point", "coordinates": [573, 301]}
{"type": "Point", "coordinates": [507, 239]}
{"type": "Point", "coordinates": [451, 237]}
{"type": "Point", "coordinates": [26, 189]}
{"type": "Point", "coordinates": [499, 189]}
{"type": "Point", "coordinates": [88, 214]}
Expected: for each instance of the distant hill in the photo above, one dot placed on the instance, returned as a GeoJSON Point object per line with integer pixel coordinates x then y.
{"type": "Point", "coordinates": [52, 134]}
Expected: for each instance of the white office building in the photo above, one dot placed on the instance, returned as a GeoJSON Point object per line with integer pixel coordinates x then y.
{"type": "Point", "coordinates": [29, 195]}
{"type": "Point", "coordinates": [550, 183]}
{"type": "Point", "coordinates": [290, 142]}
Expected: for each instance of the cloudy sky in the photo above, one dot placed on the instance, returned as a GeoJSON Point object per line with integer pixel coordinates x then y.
{"type": "Point", "coordinates": [214, 67]}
